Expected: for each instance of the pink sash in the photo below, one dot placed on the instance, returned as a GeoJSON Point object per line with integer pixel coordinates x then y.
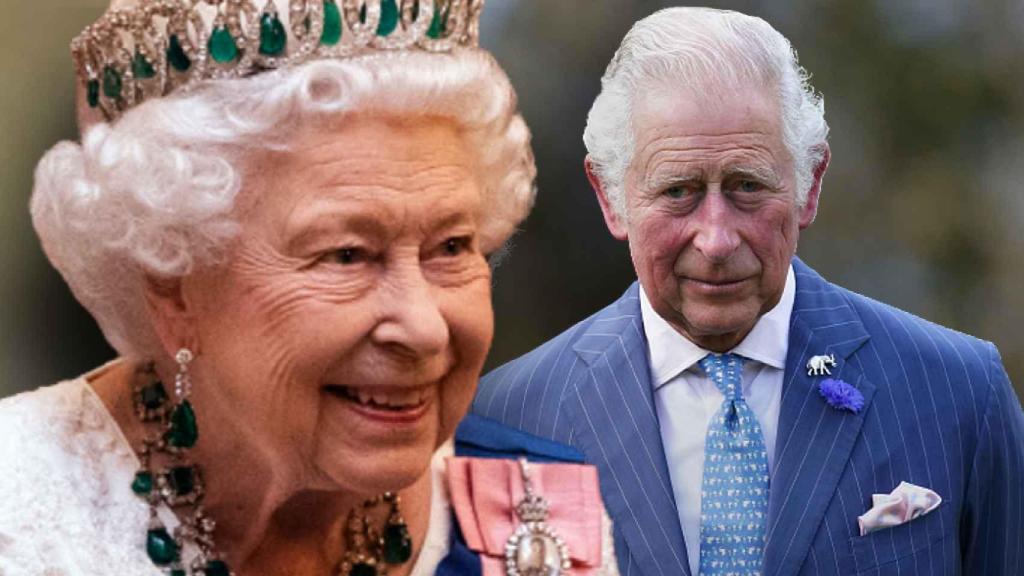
{"type": "Point", "coordinates": [485, 491]}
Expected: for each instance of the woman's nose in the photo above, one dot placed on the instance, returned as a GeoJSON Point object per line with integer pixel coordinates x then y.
{"type": "Point", "coordinates": [412, 321]}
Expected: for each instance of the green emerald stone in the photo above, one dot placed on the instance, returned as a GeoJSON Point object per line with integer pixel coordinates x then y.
{"type": "Point", "coordinates": [217, 568]}
{"type": "Point", "coordinates": [332, 24]}
{"type": "Point", "coordinates": [176, 55]}
{"type": "Point", "coordinates": [142, 68]}
{"type": "Point", "coordinates": [223, 48]}
{"type": "Point", "coordinates": [437, 23]}
{"type": "Point", "coordinates": [178, 572]}
{"type": "Point", "coordinates": [184, 432]}
{"type": "Point", "coordinates": [143, 482]}
{"type": "Point", "coordinates": [153, 395]}
{"type": "Point", "coordinates": [161, 548]}
{"type": "Point", "coordinates": [388, 17]}
{"type": "Point", "coordinates": [92, 93]}
{"type": "Point", "coordinates": [363, 569]}
{"type": "Point", "coordinates": [397, 544]}
{"type": "Point", "coordinates": [273, 37]}
{"type": "Point", "coordinates": [111, 83]}
{"type": "Point", "coordinates": [182, 480]}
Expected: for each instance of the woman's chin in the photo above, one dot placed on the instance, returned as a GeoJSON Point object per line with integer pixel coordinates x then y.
{"type": "Point", "coordinates": [377, 470]}
{"type": "Point", "coordinates": [371, 450]}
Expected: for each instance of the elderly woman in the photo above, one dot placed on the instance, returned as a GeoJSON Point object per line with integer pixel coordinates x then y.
{"type": "Point", "coordinates": [280, 216]}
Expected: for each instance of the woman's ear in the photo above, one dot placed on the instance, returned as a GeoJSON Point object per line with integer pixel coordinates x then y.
{"type": "Point", "coordinates": [171, 314]}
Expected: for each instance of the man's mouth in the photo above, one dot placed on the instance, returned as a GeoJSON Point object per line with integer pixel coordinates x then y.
{"type": "Point", "coordinates": [394, 400]}
{"type": "Point", "coordinates": [718, 281]}
{"type": "Point", "coordinates": [716, 287]}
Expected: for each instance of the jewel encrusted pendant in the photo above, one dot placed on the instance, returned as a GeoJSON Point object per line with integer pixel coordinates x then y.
{"type": "Point", "coordinates": [534, 549]}
{"type": "Point", "coordinates": [370, 550]}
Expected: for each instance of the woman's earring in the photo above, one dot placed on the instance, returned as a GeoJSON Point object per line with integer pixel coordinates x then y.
{"type": "Point", "coordinates": [183, 431]}
{"type": "Point", "coordinates": [166, 475]}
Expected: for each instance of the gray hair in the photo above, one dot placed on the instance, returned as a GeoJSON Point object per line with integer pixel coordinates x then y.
{"type": "Point", "coordinates": [702, 49]}
{"type": "Point", "coordinates": [154, 193]}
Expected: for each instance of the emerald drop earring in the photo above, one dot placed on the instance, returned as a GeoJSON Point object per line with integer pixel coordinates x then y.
{"type": "Point", "coordinates": [183, 432]}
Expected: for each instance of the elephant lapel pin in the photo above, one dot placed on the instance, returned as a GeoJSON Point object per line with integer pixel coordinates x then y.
{"type": "Point", "coordinates": [818, 365]}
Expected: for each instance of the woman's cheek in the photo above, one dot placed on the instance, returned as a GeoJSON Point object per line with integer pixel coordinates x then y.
{"type": "Point", "coordinates": [339, 282]}
{"type": "Point", "coordinates": [476, 315]}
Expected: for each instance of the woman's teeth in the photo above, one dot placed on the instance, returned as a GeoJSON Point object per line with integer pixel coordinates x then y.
{"type": "Point", "coordinates": [391, 400]}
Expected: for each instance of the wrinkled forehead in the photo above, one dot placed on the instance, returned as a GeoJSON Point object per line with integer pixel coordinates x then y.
{"type": "Point", "coordinates": [679, 109]}
{"type": "Point", "coordinates": [677, 130]}
{"type": "Point", "coordinates": [360, 156]}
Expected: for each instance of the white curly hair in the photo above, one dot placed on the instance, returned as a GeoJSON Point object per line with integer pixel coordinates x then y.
{"type": "Point", "coordinates": [702, 50]}
{"type": "Point", "coordinates": [153, 194]}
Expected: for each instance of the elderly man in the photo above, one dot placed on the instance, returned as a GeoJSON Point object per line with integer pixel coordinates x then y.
{"type": "Point", "coordinates": [747, 416]}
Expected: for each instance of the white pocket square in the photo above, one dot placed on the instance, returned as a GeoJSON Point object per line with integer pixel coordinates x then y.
{"type": "Point", "coordinates": [904, 504]}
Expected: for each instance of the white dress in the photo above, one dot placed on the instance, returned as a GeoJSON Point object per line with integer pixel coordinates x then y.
{"type": "Point", "coordinates": [66, 505]}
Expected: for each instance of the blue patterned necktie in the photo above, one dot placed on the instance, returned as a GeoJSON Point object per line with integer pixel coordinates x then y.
{"type": "Point", "coordinates": [734, 495]}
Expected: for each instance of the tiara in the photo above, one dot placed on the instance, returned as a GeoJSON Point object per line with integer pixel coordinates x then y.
{"type": "Point", "coordinates": [161, 46]}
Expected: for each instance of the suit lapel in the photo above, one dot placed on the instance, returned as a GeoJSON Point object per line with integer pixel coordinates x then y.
{"type": "Point", "coordinates": [814, 440]}
{"type": "Point", "coordinates": [611, 405]}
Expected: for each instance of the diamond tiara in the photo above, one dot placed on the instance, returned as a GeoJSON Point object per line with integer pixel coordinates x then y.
{"type": "Point", "coordinates": [161, 46]}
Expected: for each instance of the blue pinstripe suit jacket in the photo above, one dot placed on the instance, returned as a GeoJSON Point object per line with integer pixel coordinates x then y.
{"type": "Point", "coordinates": [939, 412]}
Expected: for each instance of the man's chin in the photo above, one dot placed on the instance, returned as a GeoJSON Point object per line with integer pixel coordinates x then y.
{"type": "Point", "coordinates": [713, 329]}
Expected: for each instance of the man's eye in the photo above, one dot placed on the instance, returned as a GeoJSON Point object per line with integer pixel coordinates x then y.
{"type": "Point", "coordinates": [677, 191]}
{"type": "Point", "coordinates": [749, 186]}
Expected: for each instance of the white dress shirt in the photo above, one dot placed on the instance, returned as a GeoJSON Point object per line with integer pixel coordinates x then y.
{"type": "Point", "coordinates": [686, 400]}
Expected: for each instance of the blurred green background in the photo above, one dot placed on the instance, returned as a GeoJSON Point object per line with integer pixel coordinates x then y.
{"type": "Point", "coordinates": [922, 205]}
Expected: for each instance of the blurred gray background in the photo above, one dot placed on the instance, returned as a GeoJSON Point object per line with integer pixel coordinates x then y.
{"type": "Point", "coordinates": [922, 205]}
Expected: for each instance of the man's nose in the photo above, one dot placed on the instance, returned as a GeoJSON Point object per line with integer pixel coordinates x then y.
{"type": "Point", "coordinates": [412, 323]}
{"type": "Point", "coordinates": [716, 236]}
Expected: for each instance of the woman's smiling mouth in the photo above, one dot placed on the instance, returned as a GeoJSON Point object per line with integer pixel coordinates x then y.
{"type": "Point", "coordinates": [392, 405]}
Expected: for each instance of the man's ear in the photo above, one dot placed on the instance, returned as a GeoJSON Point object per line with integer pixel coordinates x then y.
{"type": "Point", "coordinates": [170, 313]}
{"type": "Point", "coordinates": [810, 208]}
{"type": "Point", "coordinates": [612, 219]}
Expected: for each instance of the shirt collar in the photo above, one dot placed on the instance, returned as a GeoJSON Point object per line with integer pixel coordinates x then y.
{"type": "Point", "coordinates": [671, 353]}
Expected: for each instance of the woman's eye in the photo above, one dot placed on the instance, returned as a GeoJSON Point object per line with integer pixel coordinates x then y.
{"type": "Point", "coordinates": [456, 245]}
{"type": "Point", "coordinates": [346, 256]}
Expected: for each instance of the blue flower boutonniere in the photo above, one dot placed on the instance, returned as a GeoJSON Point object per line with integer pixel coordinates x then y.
{"type": "Point", "coordinates": [841, 395]}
